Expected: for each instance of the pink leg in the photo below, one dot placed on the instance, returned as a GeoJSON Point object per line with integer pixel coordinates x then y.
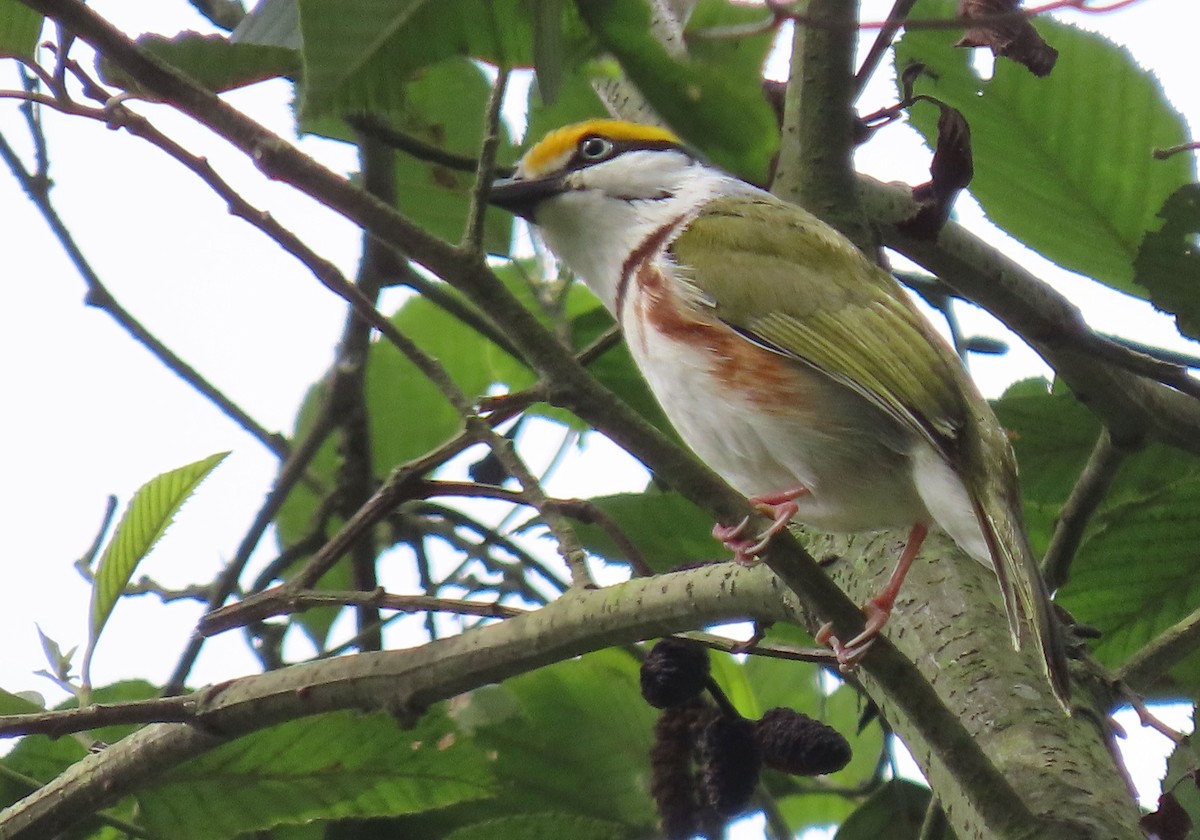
{"type": "Point", "coordinates": [780, 507]}
{"type": "Point", "coordinates": [879, 608]}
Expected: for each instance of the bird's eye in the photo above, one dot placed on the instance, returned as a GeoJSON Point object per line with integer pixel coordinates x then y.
{"type": "Point", "coordinates": [593, 149]}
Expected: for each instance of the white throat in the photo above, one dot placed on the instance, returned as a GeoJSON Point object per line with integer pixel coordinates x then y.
{"type": "Point", "coordinates": [595, 226]}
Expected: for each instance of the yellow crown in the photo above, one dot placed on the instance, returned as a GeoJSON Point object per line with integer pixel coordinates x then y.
{"type": "Point", "coordinates": [553, 150]}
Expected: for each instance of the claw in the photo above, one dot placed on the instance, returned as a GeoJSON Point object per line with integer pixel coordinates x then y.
{"type": "Point", "coordinates": [877, 610]}
{"type": "Point", "coordinates": [779, 507]}
{"type": "Point", "coordinates": [726, 533]}
{"type": "Point", "coordinates": [848, 656]}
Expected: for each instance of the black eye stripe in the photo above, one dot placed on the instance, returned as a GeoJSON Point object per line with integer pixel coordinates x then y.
{"type": "Point", "coordinates": [619, 147]}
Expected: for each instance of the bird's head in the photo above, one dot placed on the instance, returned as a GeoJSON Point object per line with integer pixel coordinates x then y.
{"type": "Point", "coordinates": [598, 189]}
{"type": "Point", "coordinates": [599, 159]}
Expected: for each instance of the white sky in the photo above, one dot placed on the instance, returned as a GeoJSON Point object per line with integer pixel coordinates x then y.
{"type": "Point", "coordinates": [90, 413]}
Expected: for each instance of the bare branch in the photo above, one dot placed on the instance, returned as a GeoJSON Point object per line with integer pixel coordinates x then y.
{"type": "Point", "coordinates": [472, 242]}
{"type": "Point", "coordinates": [779, 12]}
{"type": "Point", "coordinates": [955, 754]}
{"type": "Point", "coordinates": [490, 538]}
{"type": "Point", "coordinates": [1131, 405]}
{"type": "Point", "coordinates": [372, 126]}
{"type": "Point", "coordinates": [1089, 491]}
{"type": "Point", "coordinates": [291, 472]}
{"type": "Point", "coordinates": [1171, 647]}
{"type": "Point", "coordinates": [55, 724]}
{"type": "Point", "coordinates": [883, 40]}
{"type": "Point", "coordinates": [36, 186]}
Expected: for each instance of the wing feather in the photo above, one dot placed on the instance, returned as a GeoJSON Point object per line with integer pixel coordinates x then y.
{"type": "Point", "coordinates": [862, 331]}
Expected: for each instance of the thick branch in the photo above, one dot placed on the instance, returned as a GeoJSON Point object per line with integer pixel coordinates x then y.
{"type": "Point", "coordinates": [927, 710]}
{"type": "Point", "coordinates": [816, 168]}
{"type": "Point", "coordinates": [1131, 406]}
{"type": "Point", "coordinates": [402, 682]}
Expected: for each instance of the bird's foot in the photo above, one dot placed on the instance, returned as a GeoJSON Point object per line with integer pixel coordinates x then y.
{"type": "Point", "coordinates": [779, 507]}
{"type": "Point", "coordinates": [877, 611]}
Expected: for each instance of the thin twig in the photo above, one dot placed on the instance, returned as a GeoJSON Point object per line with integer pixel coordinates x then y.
{"type": "Point", "coordinates": [372, 126]}
{"type": "Point", "coordinates": [1171, 646]}
{"type": "Point", "coordinates": [347, 393]}
{"type": "Point", "coordinates": [394, 489]}
{"type": "Point", "coordinates": [587, 511]}
{"type": "Point", "coordinates": [84, 564]}
{"type": "Point", "coordinates": [1163, 154]}
{"type": "Point", "coordinates": [779, 13]}
{"type": "Point", "coordinates": [288, 557]}
{"type": "Point", "coordinates": [580, 509]}
{"type": "Point", "coordinates": [883, 40]}
{"type": "Point", "coordinates": [791, 653]}
{"type": "Point", "coordinates": [445, 297]}
{"type": "Point", "coordinates": [98, 295]}
{"type": "Point", "coordinates": [472, 242]}
{"type": "Point", "coordinates": [934, 826]}
{"type": "Point", "coordinates": [1087, 494]}
{"type": "Point", "coordinates": [569, 545]}
{"type": "Point", "coordinates": [57, 723]}
{"type": "Point", "coordinates": [491, 537]}
{"type": "Point", "coordinates": [289, 602]}
{"type": "Point", "coordinates": [292, 471]}
{"type": "Point", "coordinates": [1143, 364]}
{"type": "Point", "coordinates": [1175, 358]}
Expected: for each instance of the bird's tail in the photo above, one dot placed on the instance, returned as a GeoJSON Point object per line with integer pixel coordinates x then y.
{"type": "Point", "coordinates": [1026, 597]}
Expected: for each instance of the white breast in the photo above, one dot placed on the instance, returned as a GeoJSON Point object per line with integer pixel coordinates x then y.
{"type": "Point", "coordinates": [857, 482]}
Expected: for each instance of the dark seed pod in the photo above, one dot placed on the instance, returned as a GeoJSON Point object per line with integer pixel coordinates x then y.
{"type": "Point", "coordinates": [795, 743]}
{"type": "Point", "coordinates": [728, 763]}
{"type": "Point", "coordinates": [674, 673]}
{"type": "Point", "coordinates": [672, 778]}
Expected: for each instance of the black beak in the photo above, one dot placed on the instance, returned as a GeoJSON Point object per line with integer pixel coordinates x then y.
{"type": "Point", "coordinates": [521, 197]}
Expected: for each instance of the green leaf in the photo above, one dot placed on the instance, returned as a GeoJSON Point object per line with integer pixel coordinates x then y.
{"type": "Point", "coordinates": [271, 23]}
{"type": "Point", "coordinates": [743, 56]}
{"type": "Point", "coordinates": [718, 108]}
{"type": "Point", "coordinates": [358, 54]}
{"type": "Point", "coordinates": [1180, 778]}
{"type": "Point", "coordinates": [407, 416]}
{"type": "Point", "coordinates": [150, 512]}
{"type": "Point", "coordinates": [1049, 166]}
{"type": "Point", "coordinates": [668, 530]}
{"type": "Point", "coordinates": [445, 105]}
{"type": "Point", "coordinates": [1137, 572]}
{"type": "Point", "coordinates": [340, 39]}
{"type": "Point", "coordinates": [895, 811]}
{"type": "Point", "coordinates": [548, 47]}
{"type": "Point", "coordinates": [320, 768]}
{"type": "Point", "coordinates": [550, 826]}
{"type": "Point", "coordinates": [1168, 263]}
{"type": "Point", "coordinates": [575, 100]}
{"type": "Point", "coordinates": [211, 60]}
{"type": "Point", "coordinates": [761, 683]}
{"type": "Point", "coordinates": [19, 29]}
{"type": "Point", "coordinates": [570, 738]}
{"type": "Point", "coordinates": [42, 758]}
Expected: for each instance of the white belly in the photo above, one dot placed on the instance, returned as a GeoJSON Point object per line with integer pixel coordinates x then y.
{"type": "Point", "coordinates": [857, 470]}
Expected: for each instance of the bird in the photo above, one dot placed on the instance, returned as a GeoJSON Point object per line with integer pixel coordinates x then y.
{"type": "Point", "coordinates": [794, 366]}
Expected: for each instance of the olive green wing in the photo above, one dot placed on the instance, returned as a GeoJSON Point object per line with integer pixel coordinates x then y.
{"type": "Point", "coordinates": [789, 282]}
